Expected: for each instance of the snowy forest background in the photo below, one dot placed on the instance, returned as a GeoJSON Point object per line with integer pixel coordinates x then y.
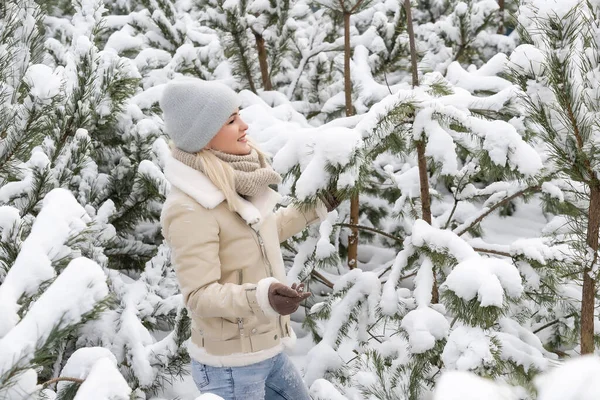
{"type": "Point", "coordinates": [463, 136]}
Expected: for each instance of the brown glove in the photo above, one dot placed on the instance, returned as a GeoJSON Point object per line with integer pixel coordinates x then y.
{"type": "Point", "coordinates": [284, 299]}
{"type": "Point", "coordinates": [330, 200]}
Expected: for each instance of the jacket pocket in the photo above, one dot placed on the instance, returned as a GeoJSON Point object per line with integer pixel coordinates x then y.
{"type": "Point", "coordinates": [231, 328]}
{"type": "Point", "coordinates": [199, 374]}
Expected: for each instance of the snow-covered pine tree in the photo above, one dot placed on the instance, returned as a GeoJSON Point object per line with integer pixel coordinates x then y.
{"type": "Point", "coordinates": [477, 165]}
{"type": "Point", "coordinates": [380, 58]}
{"type": "Point", "coordinates": [575, 379]}
{"type": "Point", "coordinates": [495, 173]}
{"type": "Point", "coordinates": [99, 85]}
{"type": "Point", "coordinates": [127, 152]}
{"type": "Point", "coordinates": [558, 69]}
{"type": "Point", "coordinates": [469, 179]}
{"type": "Point", "coordinates": [315, 79]}
{"type": "Point", "coordinates": [228, 18]}
{"type": "Point", "coordinates": [347, 8]}
{"type": "Point", "coordinates": [71, 122]}
{"type": "Point", "coordinates": [50, 293]}
{"type": "Point", "coordinates": [48, 289]}
{"type": "Point", "coordinates": [162, 39]}
{"type": "Point", "coordinates": [360, 25]}
{"type": "Point", "coordinates": [464, 31]}
{"type": "Point", "coordinates": [272, 24]}
{"type": "Point", "coordinates": [22, 36]}
{"type": "Point", "coordinates": [256, 38]}
{"type": "Point", "coordinates": [445, 32]}
{"type": "Point", "coordinates": [382, 28]}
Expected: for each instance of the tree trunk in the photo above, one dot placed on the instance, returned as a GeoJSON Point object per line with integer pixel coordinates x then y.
{"type": "Point", "coordinates": [354, 200]}
{"type": "Point", "coordinates": [347, 55]}
{"type": "Point", "coordinates": [426, 206]}
{"type": "Point", "coordinates": [501, 5]}
{"type": "Point", "coordinates": [422, 161]}
{"type": "Point", "coordinates": [424, 182]}
{"type": "Point", "coordinates": [262, 60]}
{"type": "Point", "coordinates": [411, 42]}
{"type": "Point", "coordinates": [589, 284]}
{"type": "Point", "coordinates": [353, 237]}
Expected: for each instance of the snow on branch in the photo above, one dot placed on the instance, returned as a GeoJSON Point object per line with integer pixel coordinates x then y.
{"type": "Point", "coordinates": [76, 292]}
{"type": "Point", "coordinates": [60, 219]}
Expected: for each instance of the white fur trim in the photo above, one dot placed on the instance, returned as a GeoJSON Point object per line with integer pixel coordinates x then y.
{"type": "Point", "coordinates": [262, 297]}
{"type": "Point", "coordinates": [289, 342]}
{"type": "Point", "coordinates": [197, 185]}
{"type": "Point", "coordinates": [249, 213]}
{"type": "Point", "coordinates": [193, 183]}
{"type": "Point", "coordinates": [265, 203]}
{"type": "Point", "coordinates": [231, 360]}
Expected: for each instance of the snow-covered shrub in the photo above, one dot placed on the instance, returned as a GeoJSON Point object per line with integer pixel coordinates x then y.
{"type": "Point", "coordinates": [557, 68]}
{"type": "Point", "coordinates": [80, 189]}
{"type": "Point", "coordinates": [573, 380]}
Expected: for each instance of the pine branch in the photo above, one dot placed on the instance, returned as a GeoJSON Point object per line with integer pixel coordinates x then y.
{"type": "Point", "coordinates": [322, 278]}
{"type": "Point", "coordinates": [496, 252]}
{"type": "Point", "coordinates": [369, 229]}
{"type": "Point", "coordinates": [461, 230]}
{"type": "Point", "coordinates": [556, 321]}
{"type": "Point", "coordinates": [242, 56]}
{"type": "Point", "coordinates": [579, 139]}
{"type": "Point", "coordinates": [356, 6]}
{"type": "Point", "coordinates": [399, 279]}
{"type": "Point", "coordinates": [62, 379]}
{"type": "Point", "coordinates": [456, 201]}
{"type": "Point", "coordinates": [451, 213]}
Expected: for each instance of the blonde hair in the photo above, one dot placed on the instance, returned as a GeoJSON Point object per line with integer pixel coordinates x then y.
{"type": "Point", "coordinates": [222, 175]}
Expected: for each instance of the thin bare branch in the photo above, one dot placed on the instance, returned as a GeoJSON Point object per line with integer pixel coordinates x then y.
{"type": "Point", "coordinates": [356, 6]}
{"type": "Point", "coordinates": [367, 228]}
{"type": "Point", "coordinates": [489, 251]}
{"type": "Point", "coordinates": [556, 321]}
{"type": "Point", "coordinates": [62, 379]}
{"type": "Point", "coordinates": [490, 210]}
{"type": "Point", "coordinates": [321, 278]}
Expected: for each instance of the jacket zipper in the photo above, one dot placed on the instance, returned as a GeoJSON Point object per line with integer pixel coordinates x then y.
{"type": "Point", "coordinates": [261, 244]}
{"type": "Point", "coordinates": [263, 251]}
{"type": "Point", "coordinates": [240, 321]}
{"type": "Point", "coordinates": [242, 334]}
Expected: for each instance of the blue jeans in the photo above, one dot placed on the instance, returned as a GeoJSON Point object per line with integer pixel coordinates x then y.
{"type": "Point", "coordinates": [273, 379]}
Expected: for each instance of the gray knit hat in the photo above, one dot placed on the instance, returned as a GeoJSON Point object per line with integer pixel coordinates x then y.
{"type": "Point", "coordinates": [195, 110]}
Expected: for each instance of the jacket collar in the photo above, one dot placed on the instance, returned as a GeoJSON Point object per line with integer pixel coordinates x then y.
{"type": "Point", "coordinates": [197, 185]}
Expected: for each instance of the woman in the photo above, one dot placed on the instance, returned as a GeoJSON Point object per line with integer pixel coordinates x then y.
{"type": "Point", "coordinates": [219, 222]}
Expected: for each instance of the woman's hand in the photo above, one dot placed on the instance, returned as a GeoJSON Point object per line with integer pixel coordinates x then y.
{"type": "Point", "coordinates": [284, 299]}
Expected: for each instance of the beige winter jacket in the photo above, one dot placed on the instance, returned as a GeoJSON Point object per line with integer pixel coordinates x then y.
{"type": "Point", "coordinates": [225, 262]}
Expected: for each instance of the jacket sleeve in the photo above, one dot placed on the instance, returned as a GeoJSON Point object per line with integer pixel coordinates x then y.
{"type": "Point", "coordinates": [291, 220]}
{"type": "Point", "coordinates": [193, 235]}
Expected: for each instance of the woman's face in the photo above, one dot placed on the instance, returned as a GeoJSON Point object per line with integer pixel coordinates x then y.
{"type": "Point", "coordinates": [231, 138]}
